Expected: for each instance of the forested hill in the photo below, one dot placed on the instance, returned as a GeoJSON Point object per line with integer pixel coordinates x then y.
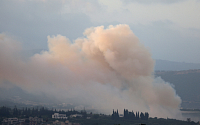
{"type": "Point", "coordinates": [187, 85]}
{"type": "Point", "coordinates": [174, 66]}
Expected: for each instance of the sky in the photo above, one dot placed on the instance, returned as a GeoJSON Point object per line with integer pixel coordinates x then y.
{"type": "Point", "coordinates": [169, 29]}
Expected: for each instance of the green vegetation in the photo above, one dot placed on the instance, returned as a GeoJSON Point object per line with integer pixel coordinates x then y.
{"type": "Point", "coordinates": [6, 112]}
{"type": "Point", "coordinates": [107, 120]}
{"type": "Point", "coordinates": [89, 118]}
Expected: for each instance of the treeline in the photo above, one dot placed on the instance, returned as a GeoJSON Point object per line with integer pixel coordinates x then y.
{"type": "Point", "coordinates": [32, 112]}
{"type": "Point", "coordinates": [131, 115]}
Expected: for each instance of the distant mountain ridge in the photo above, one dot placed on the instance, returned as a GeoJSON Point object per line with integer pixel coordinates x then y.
{"type": "Point", "coordinates": [164, 65]}
{"type": "Point", "coordinates": [186, 84]}
{"type": "Point", "coordinates": [179, 72]}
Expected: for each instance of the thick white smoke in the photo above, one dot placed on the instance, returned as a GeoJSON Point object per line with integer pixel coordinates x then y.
{"type": "Point", "coordinates": [108, 69]}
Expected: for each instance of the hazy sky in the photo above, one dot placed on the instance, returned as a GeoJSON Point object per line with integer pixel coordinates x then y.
{"type": "Point", "coordinates": [169, 29]}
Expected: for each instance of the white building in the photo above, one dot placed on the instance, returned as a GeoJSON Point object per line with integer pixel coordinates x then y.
{"type": "Point", "coordinates": [59, 116]}
{"type": "Point", "coordinates": [75, 115]}
{"type": "Point", "coordinates": [11, 121]}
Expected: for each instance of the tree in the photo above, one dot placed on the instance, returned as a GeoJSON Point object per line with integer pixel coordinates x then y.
{"type": "Point", "coordinates": [115, 115]}
{"type": "Point", "coordinates": [142, 116]}
{"type": "Point", "coordinates": [15, 112]}
{"type": "Point", "coordinates": [5, 112]}
{"type": "Point", "coordinates": [146, 115]}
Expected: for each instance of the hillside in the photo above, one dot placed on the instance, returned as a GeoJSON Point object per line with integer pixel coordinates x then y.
{"type": "Point", "coordinates": [174, 66]}
{"type": "Point", "coordinates": [187, 85]}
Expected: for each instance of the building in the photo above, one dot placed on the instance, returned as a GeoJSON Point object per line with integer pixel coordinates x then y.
{"type": "Point", "coordinates": [35, 120]}
{"type": "Point", "coordinates": [8, 121]}
{"type": "Point", "coordinates": [59, 116]}
{"type": "Point", "coordinates": [13, 121]}
{"type": "Point", "coordinates": [75, 115]}
{"type": "Point", "coordinates": [64, 123]}
{"type": "Point", "coordinates": [21, 121]}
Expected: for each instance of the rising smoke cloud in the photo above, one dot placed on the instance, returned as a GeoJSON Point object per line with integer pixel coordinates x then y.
{"type": "Point", "coordinates": [107, 69]}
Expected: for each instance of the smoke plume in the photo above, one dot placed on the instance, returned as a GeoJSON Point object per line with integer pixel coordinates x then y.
{"type": "Point", "coordinates": [107, 69]}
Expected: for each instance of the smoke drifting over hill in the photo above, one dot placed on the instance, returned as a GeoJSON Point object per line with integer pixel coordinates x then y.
{"type": "Point", "coordinates": [107, 69]}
